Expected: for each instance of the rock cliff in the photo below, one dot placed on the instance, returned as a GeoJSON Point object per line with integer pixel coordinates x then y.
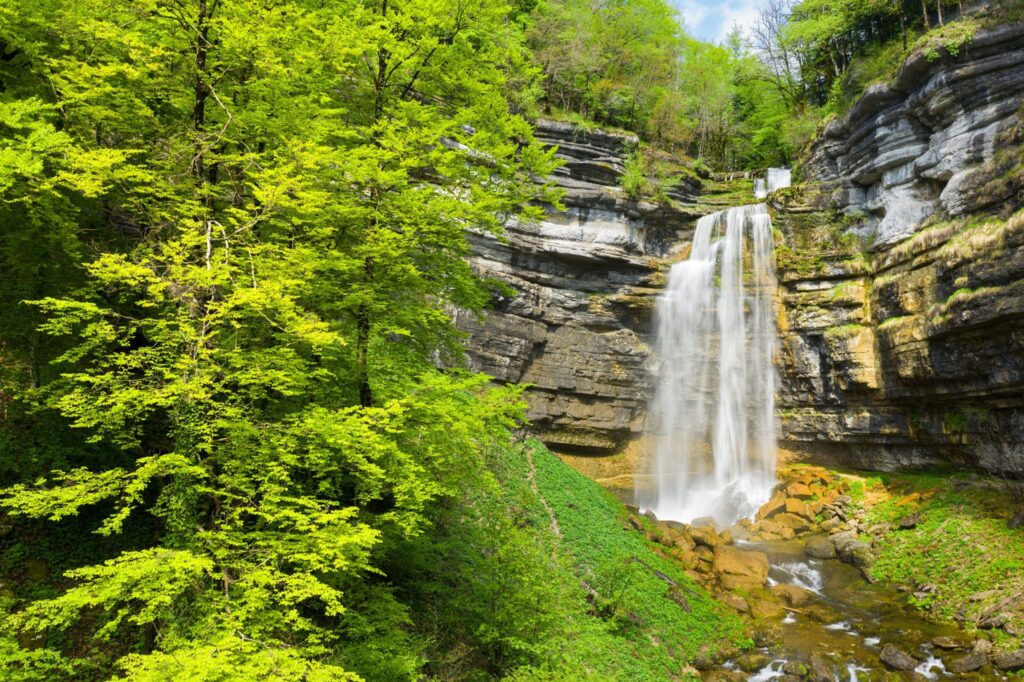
{"type": "Point", "coordinates": [903, 320]}
{"type": "Point", "coordinates": [586, 277]}
{"type": "Point", "coordinates": [919, 145]}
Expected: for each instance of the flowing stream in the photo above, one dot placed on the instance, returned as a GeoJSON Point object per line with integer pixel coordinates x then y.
{"type": "Point", "coordinates": [712, 421]}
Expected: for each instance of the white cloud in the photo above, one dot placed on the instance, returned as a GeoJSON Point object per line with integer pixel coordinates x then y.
{"type": "Point", "coordinates": [714, 19]}
{"type": "Point", "coordinates": [742, 13]}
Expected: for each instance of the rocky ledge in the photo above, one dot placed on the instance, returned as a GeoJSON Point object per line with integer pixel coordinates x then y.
{"type": "Point", "coordinates": [585, 278]}
{"type": "Point", "coordinates": [917, 145]}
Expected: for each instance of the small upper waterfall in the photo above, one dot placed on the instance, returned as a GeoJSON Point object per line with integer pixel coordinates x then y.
{"type": "Point", "coordinates": [779, 178]}
{"type": "Point", "coordinates": [760, 189]}
{"type": "Point", "coordinates": [712, 417]}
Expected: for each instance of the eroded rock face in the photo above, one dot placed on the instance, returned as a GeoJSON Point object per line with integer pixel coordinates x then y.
{"type": "Point", "coordinates": [586, 279]}
{"type": "Point", "coordinates": [914, 147]}
{"type": "Point", "coordinates": [900, 350]}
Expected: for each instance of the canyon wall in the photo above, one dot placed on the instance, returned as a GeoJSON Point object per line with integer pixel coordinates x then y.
{"type": "Point", "coordinates": [586, 277]}
{"type": "Point", "coordinates": [903, 273]}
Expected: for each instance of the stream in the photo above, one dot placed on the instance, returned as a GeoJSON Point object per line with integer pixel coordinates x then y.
{"type": "Point", "coordinates": [846, 623]}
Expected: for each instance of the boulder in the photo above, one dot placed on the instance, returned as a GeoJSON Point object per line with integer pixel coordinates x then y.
{"type": "Point", "coordinates": [821, 669]}
{"type": "Point", "coordinates": [947, 642]}
{"type": "Point", "coordinates": [735, 602]}
{"type": "Point", "coordinates": [966, 664]}
{"type": "Point", "coordinates": [766, 526]}
{"type": "Point", "coordinates": [897, 659]}
{"type": "Point", "coordinates": [1016, 521]}
{"type": "Point", "coordinates": [798, 508]}
{"type": "Point", "coordinates": [910, 521]}
{"type": "Point", "coordinates": [739, 569]}
{"type": "Point", "coordinates": [772, 507]}
{"type": "Point", "coordinates": [794, 595]}
{"type": "Point", "coordinates": [792, 521]}
{"type": "Point", "coordinates": [704, 535]}
{"type": "Point", "coordinates": [857, 554]}
{"type": "Point", "coordinates": [820, 547]}
{"type": "Point", "coordinates": [1009, 660]}
{"type": "Point", "coordinates": [766, 608]}
{"type": "Point", "coordinates": [799, 490]}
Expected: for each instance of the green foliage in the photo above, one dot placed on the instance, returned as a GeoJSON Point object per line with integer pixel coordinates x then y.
{"type": "Point", "coordinates": [962, 546]}
{"type": "Point", "coordinates": [236, 247]}
{"type": "Point", "coordinates": [638, 591]}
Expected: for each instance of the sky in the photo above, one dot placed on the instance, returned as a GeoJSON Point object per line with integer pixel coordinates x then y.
{"type": "Point", "coordinates": [713, 19]}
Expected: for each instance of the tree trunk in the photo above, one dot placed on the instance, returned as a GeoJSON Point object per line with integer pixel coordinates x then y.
{"type": "Point", "coordinates": [924, 14]}
{"type": "Point", "coordinates": [938, 4]}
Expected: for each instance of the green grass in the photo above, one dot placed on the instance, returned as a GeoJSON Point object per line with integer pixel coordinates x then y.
{"type": "Point", "coordinates": [653, 617]}
{"type": "Point", "coordinates": [962, 546]}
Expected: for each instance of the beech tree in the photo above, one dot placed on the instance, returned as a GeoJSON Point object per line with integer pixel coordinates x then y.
{"type": "Point", "coordinates": [284, 191]}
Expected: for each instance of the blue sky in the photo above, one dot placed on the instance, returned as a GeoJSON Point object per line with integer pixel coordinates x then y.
{"type": "Point", "coordinates": [713, 19]}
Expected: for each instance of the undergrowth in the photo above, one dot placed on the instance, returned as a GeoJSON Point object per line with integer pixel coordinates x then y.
{"type": "Point", "coordinates": [646, 601]}
{"type": "Point", "coordinates": [961, 559]}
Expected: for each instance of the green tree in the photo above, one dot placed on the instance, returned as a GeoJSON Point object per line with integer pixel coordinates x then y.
{"type": "Point", "coordinates": [285, 191]}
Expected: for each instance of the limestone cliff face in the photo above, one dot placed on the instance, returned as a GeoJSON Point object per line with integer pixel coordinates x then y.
{"type": "Point", "coordinates": [917, 146]}
{"type": "Point", "coordinates": [900, 346]}
{"type": "Point", "coordinates": [586, 277]}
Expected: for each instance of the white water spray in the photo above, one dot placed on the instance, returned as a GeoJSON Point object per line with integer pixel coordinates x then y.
{"type": "Point", "coordinates": [779, 178]}
{"type": "Point", "coordinates": [712, 417]}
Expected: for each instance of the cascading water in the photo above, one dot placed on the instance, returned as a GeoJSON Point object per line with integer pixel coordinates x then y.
{"type": "Point", "coordinates": [760, 189]}
{"type": "Point", "coordinates": [713, 413]}
{"type": "Point", "coordinates": [779, 178]}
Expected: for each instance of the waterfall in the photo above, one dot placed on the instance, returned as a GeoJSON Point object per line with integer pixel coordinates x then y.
{"type": "Point", "coordinates": [712, 417]}
{"type": "Point", "coordinates": [760, 189]}
{"type": "Point", "coordinates": [779, 178]}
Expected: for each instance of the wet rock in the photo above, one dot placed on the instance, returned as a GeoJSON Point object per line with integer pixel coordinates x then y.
{"type": "Point", "coordinates": [966, 664]}
{"type": "Point", "coordinates": [775, 505]}
{"type": "Point", "coordinates": [726, 537]}
{"type": "Point", "coordinates": [766, 634]}
{"type": "Point", "coordinates": [946, 642]}
{"type": "Point", "coordinates": [821, 669]}
{"type": "Point", "coordinates": [895, 658]}
{"type": "Point", "coordinates": [796, 523]}
{"type": "Point", "coordinates": [739, 569]}
{"type": "Point", "coordinates": [794, 668]}
{"type": "Point", "coordinates": [704, 535]}
{"type": "Point", "coordinates": [794, 595]}
{"type": "Point", "coordinates": [704, 522]}
{"type": "Point", "coordinates": [820, 547]}
{"type": "Point", "coordinates": [725, 676]}
{"type": "Point", "coordinates": [635, 522]}
{"type": "Point", "coordinates": [1016, 521]}
{"type": "Point", "coordinates": [1009, 660]}
{"type": "Point", "coordinates": [766, 608]}
{"type": "Point", "coordinates": [735, 602]}
{"type": "Point", "coordinates": [752, 662]}
{"type": "Point", "coordinates": [799, 490]}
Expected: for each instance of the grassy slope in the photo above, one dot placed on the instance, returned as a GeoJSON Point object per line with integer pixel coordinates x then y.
{"type": "Point", "coordinates": [651, 616]}
{"type": "Point", "coordinates": [961, 549]}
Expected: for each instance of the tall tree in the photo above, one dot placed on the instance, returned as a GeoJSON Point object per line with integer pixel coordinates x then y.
{"type": "Point", "coordinates": [292, 183]}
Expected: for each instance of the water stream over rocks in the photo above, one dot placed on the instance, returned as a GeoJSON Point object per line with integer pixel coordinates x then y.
{"type": "Point", "coordinates": [712, 422]}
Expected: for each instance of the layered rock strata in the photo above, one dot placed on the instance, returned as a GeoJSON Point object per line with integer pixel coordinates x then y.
{"type": "Point", "coordinates": [912, 148]}
{"type": "Point", "coordinates": [585, 279]}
